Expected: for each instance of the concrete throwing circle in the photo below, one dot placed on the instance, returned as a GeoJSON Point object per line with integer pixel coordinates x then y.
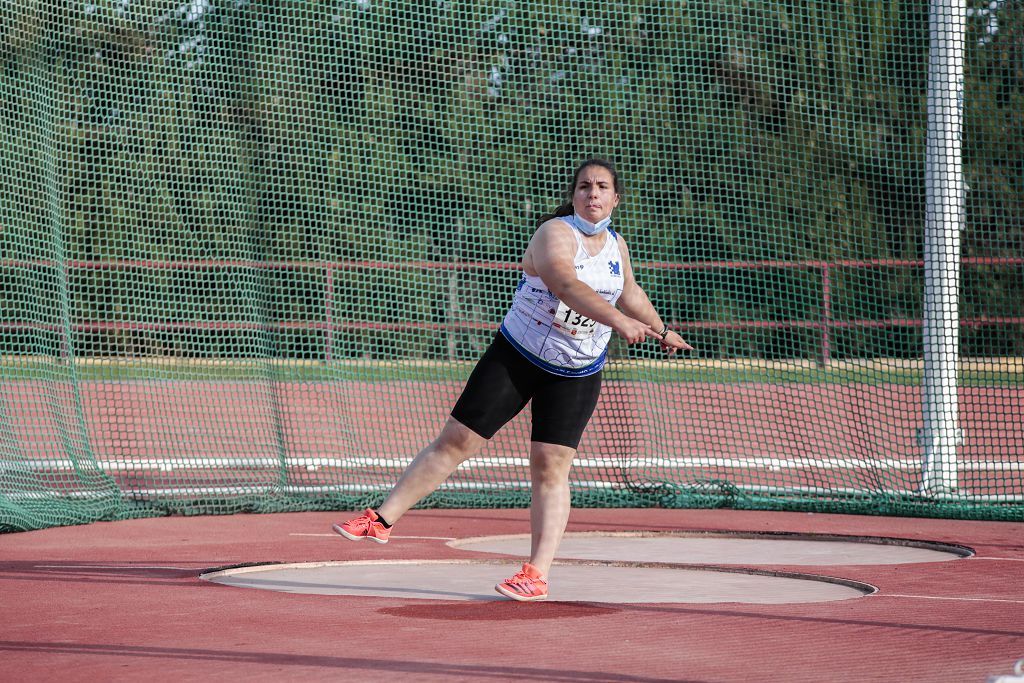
{"type": "Point", "coordinates": [606, 582]}
{"type": "Point", "coordinates": [727, 548]}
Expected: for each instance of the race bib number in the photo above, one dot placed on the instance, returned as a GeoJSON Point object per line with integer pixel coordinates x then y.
{"type": "Point", "coordinates": [573, 324]}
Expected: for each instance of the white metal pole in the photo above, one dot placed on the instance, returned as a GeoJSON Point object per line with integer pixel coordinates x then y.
{"type": "Point", "coordinates": [944, 213]}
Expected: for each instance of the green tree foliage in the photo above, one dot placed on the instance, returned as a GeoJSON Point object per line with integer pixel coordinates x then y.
{"type": "Point", "coordinates": [280, 136]}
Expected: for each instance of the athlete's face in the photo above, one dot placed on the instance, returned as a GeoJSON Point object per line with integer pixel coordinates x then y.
{"type": "Point", "coordinates": [594, 196]}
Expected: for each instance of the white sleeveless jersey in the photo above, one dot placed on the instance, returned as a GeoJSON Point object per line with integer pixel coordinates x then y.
{"type": "Point", "coordinates": [552, 335]}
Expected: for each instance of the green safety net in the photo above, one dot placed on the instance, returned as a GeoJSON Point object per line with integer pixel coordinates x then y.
{"type": "Point", "coordinates": [251, 249]}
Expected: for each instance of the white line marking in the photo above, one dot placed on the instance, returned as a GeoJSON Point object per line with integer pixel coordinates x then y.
{"type": "Point", "coordinates": [937, 597]}
{"type": "Point", "coordinates": [427, 538]}
{"type": "Point", "coordinates": [110, 566]}
{"type": "Point", "coordinates": [146, 494]}
{"type": "Point", "coordinates": [753, 461]}
{"type": "Point", "coordinates": [1000, 559]}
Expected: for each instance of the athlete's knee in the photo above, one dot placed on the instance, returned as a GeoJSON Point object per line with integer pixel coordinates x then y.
{"type": "Point", "coordinates": [458, 441]}
{"type": "Point", "coordinates": [550, 463]}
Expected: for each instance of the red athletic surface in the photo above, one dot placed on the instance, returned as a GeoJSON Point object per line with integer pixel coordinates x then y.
{"type": "Point", "coordinates": [157, 418]}
{"type": "Point", "coordinates": [122, 601]}
{"type": "Point", "coordinates": [806, 425]}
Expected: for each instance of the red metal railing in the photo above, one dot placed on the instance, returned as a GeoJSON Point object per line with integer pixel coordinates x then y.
{"type": "Point", "coordinates": [826, 324]}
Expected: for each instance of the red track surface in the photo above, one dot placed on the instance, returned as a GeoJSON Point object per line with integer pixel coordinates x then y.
{"type": "Point", "coordinates": [123, 601]}
{"type": "Point", "coordinates": [818, 429]}
{"type": "Point", "coordinates": [211, 419]}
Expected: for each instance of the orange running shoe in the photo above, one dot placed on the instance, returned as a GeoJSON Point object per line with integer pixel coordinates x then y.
{"type": "Point", "coordinates": [526, 586]}
{"type": "Point", "coordinates": [364, 526]}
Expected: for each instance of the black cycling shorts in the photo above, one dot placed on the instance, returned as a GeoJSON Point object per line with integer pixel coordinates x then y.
{"type": "Point", "coordinates": [504, 381]}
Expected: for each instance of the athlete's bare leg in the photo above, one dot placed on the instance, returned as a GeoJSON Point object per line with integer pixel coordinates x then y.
{"type": "Point", "coordinates": [549, 507]}
{"type": "Point", "coordinates": [454, 445]}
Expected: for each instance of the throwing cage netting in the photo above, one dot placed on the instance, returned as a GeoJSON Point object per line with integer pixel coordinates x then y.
{"type": "Point", "coordinates": [250, 250]}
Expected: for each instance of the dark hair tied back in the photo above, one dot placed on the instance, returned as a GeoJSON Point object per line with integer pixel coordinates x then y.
{"type": "Point", "coordinates": [566, 208]}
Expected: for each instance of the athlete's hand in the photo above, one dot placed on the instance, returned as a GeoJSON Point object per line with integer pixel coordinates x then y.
{"type": "Point", "coordinates": [672, 342]}
{"type": "Point", "coordinates": [634, 331]}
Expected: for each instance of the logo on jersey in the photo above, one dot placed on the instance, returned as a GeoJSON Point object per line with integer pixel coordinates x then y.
{"type": "Point", "coordinates": [614, 266]}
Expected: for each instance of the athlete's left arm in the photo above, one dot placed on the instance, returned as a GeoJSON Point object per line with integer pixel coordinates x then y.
{"type": "Point", "coordinates": [634, 302]}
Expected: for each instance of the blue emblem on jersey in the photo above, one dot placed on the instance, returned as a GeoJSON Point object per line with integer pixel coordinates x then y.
{"type": "Point", "coordinates": [614, 265]}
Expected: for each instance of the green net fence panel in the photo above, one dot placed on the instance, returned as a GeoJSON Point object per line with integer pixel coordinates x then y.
{"type": "Point", "coordinates": [250, 249]}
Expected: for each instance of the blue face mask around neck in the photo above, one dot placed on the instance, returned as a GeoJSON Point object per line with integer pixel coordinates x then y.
{"type": "Point", "coordinates": [588, 228]}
